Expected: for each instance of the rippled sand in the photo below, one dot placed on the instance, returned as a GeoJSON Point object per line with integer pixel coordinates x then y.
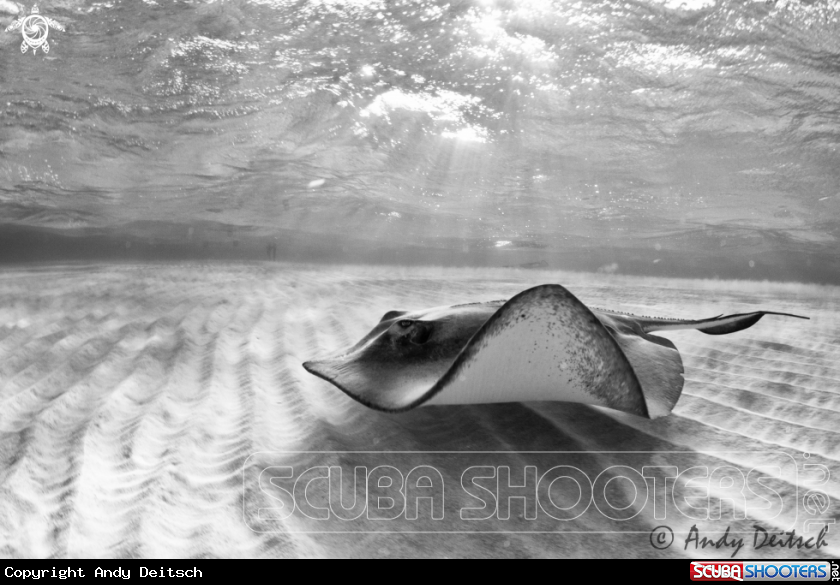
{"type": "Point", "coordinates": [138, 405]}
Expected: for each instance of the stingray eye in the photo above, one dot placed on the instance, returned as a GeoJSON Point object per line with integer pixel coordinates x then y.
{"type": "Point", "coordinates": [405, 323]}
{"type": "Point", "coordinates": [420, 334]}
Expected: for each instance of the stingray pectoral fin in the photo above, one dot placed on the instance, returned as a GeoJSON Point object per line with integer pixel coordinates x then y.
{"type": "Point", "coordinates": [658, 366]}
{"type": "Point", "coordinates": [542, 345]}
{"type": "Point", "coordinates": [377, 386]}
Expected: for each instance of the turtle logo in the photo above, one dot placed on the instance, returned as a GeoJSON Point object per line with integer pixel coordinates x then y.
{"type": "Point", "coordinates": [35, 29]}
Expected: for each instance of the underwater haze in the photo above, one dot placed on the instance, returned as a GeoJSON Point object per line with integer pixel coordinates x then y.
{"type": "Point", "coordinates": [669, 138]}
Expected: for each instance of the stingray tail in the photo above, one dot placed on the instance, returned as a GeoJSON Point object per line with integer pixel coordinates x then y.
{"type": "Point", "coordinates": [720, 325]}
{"type": "Point", "coordinates": [656, 360]}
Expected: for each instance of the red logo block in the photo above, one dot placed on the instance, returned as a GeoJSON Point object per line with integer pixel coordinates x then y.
{"type": "Point", "coordinates": [717, 571]}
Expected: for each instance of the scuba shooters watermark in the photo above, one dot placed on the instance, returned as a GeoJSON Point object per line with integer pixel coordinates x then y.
{"type": "Point", "coordinates": [676, 502]}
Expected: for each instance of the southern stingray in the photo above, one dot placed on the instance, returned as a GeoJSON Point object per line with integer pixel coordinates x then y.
{"type": "Point", "coordinates": [543, 344]}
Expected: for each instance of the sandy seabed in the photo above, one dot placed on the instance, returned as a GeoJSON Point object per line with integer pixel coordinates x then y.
{"type": "Point", "coordinates": [141, 405]}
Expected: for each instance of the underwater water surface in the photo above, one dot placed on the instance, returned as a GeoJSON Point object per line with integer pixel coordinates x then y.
{"type": "Point", "coordinates": [695, 138]}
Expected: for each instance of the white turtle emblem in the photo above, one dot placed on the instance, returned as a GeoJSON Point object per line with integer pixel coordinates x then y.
{"type": "Point", "coordinates": [35, 29]}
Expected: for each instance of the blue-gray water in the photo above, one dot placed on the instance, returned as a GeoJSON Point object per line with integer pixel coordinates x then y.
{"type": "Point", "coordinates": [648, 137]}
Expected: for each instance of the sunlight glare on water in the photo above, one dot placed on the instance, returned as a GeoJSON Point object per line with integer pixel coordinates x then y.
{"type": "Point", "coordinates": [584, 133]}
